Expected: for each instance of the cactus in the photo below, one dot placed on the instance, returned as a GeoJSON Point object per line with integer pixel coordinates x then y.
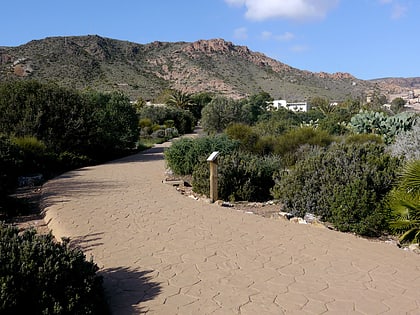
{"type": "Point", "coordinates": [379, 123]}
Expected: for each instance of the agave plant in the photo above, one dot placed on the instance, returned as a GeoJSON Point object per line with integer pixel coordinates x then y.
{"type": "Point", "coordinates": [405, 203]}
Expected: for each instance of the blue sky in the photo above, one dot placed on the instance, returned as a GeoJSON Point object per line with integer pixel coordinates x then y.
{"type": "Point", "coordinates": [367, 38]}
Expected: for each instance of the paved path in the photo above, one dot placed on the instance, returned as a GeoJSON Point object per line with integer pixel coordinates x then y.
{"type": "Point", "coordinates": [163, 253]}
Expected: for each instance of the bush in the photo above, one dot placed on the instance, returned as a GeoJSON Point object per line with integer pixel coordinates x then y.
{"type": "Point", "coordinates": [184, 154]}
{"type": "Point", "coordinates": [345, 184]}
{"type": "Point", "coordinates": [183, 120]}
{"type": "Point", "coordinates": [33, 153]}
{"type": "Point", "coordinates": [244, 134]}
{"type": "Point", "coordinates": [9, 167]}
{"type": "Point", "coordinates": [287, 144]}
{"type": "Point", "coordinates": [41, 276]}
{"type": "Point", "coordinates": [242, 176]}
{"type": "Point", "coordinates": [407, 144]}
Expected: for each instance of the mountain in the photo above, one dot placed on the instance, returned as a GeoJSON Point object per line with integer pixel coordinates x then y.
{"type": "Point", "coordinates": [145, 70]}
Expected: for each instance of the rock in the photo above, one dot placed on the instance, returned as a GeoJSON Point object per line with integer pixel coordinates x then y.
{"type": "Point", "coordinates": [415, 248]}
{"type": "Point", "coordinates": [302, 221]}
{"type": "Point", "coordinates": [310, 218]}
{"type": "Point", "coordinates": [285, 215]}
{"type": "Point", "coordinates": [294, 219]}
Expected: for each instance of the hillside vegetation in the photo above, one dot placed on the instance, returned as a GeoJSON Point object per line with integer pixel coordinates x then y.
{"type": "Point", "coordinates": [145, 70]}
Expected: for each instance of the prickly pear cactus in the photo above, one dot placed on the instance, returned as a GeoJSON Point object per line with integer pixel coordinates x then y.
{"type": "Point", "coordinates": [381, 124]}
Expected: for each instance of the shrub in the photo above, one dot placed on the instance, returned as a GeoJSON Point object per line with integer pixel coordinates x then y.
{"type": "Point", "coordinates": [33, 153]}
{"type": "Point", "coordinates": [407, 144]}
{"type": "Point", "coordinates": [183, 120]}
{"type": "Point", "coordinates": [345, 184]}
{"type": "Point", "coordinates": [405, 203]}
{"type": "Point", "coordinates": [9, 166]}
{"type": "Point", "coordinates": [287, 144]}
{"type": "Point", "coordinates": [242, 176]}
{"type": "Point", "coordinates": [184, 154]}
{"type": "Point", "coordinates": [41, 276]}
{"type": "Point", "coordinates": [244, 134]}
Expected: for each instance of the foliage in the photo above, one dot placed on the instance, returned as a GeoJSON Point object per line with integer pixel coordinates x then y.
{"type": "Point", "coordinates": [244, 134]}
{"type": "Point", "coordinates": [405, 203]}
{"type": "Point", "coordinates": [254, 106]}
{"type": "Point", "coordinates": [379, 123]}
{"type": "Point", "coordinates": [219, 114]}
{"type": "Point", "coordinates": [179, 99]}
{"type": "Point", "coordinates": [397, 104]}
{"type": "Point", "coordinates": [93, 124]}
{"type": "Point", "coordinates": [336, 123]}
{"type": "Point", "coordinates": [277, 122]}
{"type": "Point", "coordinates": [286, 145]}
{"type": "Point", "coordinates": [184, 154]}
{"type": "Point", "coordinates": [115, 125]}
{"type": "Point", "coordinates": [323, 105]}
{"type": "Point", "coordinates": [41, 276]}
{"type": "Point", "coordinates": [10, 163]}
{"type": "Point", "coordinates": [345, 184]}
{"type": "Point", "coordinates": [33, 154]}
{"type": "Point", "coordinates": [183, 120]}
{"type": "Point", "coordinates": [407, 144]}
{"type": "Point", "coordinates": [361, 138]}
{"type": "Point", "coordinates": [242, 176]}
{"type": "Point", "coordinates": [199, 100]}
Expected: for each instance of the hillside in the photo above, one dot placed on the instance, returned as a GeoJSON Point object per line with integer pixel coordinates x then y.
{"type": "Point", "coordinates": [144, 70]}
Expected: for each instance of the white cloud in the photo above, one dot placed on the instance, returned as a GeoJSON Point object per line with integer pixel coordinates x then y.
{"type": "Point", "coordinates": [398, 11]}
{"type": "Point", "coordinates": [285, 37]}
{"type": "Point", "coordinates": [299, 48]}
{"type": "Point", "coordinates": [291, 9]}
{"type": "Point", "coordinates": [240, 33]}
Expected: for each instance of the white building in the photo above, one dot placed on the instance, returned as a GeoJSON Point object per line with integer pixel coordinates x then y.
{"type": "Point", "coordinates": [296, 107]}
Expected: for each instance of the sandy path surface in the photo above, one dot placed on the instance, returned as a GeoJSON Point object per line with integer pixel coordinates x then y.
{"type": "Point", "coordinates": [163, 253]}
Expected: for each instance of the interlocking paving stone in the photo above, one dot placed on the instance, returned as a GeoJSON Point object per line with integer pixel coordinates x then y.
{"type": "Point", "coordinates": [163, 253]}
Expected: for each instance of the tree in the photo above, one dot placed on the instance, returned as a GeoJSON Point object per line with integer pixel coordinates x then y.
{"type": "Point", "coordinates": [323, 105]}
{"type": "Point", "coordinates": [254, 106]}
{"type": "Point", "coordinates": [219, 113]}
{"type": "Point", "coordinates": [405, 204]}
{"type": "Point", "coordinates": [397, 104]}
{"type": "Point", "coordinates": [179, 99]}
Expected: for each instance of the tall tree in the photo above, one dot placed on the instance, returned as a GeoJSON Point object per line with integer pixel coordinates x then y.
{"type": "Point", "coordinates": [179, 99]}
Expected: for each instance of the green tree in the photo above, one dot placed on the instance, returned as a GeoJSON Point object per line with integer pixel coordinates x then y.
{"type": "Point", "coordinates": [254, 106]}
{"type": "Point", "coordinates": [397, 104]}
{"type": "Point", "coordinates": [179, 99]}
{"type": "Point", "coordinates": [219, 113]}
{"type": "Point", "coordinates": [323, 105]}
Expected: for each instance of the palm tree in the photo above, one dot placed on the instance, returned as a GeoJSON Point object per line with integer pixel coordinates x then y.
{"type": "Point", "coordinates": [405, 204]}
{"type": "Point", "coordinates": [179, 99]}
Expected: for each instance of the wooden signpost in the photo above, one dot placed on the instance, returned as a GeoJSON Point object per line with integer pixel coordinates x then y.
{"type": "Point", "coordinates": [212, 159]}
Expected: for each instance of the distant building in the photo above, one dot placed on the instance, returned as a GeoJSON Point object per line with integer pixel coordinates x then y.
{"type": "Point", "coordinates": [296, 106]}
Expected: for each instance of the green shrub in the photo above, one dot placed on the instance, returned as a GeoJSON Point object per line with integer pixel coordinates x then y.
{"type": "Point", "coordinates": [288, 143]}
{"type": "Point", "coordinates": [242, 176]}
{"type": "Point", "coordinates": [404, 201]}
{"type": "Point", "coordinates": [363, 138]}
{"type": "Point", "coordinates": [244, 134]}
{"type": "Point", "coordinates": [71, 160]}
{"type": "Point", "coordinates": [184, 154]}
{"type": "Point", "coordinates": [183, 120]}
{"type": "Point", "coordinates": [345, 184]}
{"type": "Point", "coordinates": [33, 153]}
{"type": "Point", "coordinates": [41, 276]}
{"type": "Point", "coordinates": [10, 164]}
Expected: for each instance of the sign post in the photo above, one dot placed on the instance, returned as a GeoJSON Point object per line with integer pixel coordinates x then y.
{"type": "Point", "coordinates": [212, 159]}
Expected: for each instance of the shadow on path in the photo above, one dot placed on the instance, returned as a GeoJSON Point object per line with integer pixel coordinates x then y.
{"type": "Point", "coordinates": [129, 288]}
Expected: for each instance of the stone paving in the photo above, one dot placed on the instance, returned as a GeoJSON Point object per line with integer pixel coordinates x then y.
{"type": "Point", "coordinates": [163, 253]}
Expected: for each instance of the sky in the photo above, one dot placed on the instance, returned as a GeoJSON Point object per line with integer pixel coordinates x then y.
{"type": "Point", "coordinates": [367, 38]}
